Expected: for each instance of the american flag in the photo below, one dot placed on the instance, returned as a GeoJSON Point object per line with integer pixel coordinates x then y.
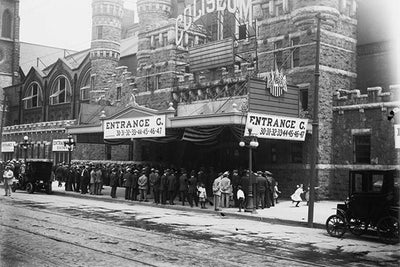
{"type": "Point", "coordinates": [276, 82]}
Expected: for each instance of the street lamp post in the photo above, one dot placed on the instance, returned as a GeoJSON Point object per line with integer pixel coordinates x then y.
{"type": "Point", "coordinates": [25, 145]}
{"type": "Point", "coordinates": [70, 145]}
{"type": "Point", "coordinates": [250, 142]}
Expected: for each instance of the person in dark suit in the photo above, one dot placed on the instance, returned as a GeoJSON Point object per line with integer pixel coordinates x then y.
{"type": "Point", "coordinates": [113, 183]}
{"type": "Point", "coordinates": [128, 180]}
{"type": "Point", "coordinates": [183, 186]}
{"type": "Point", "coordinates": [171, 183]}
{"type": "Point", "coordinates": [85, 179]}
{"type": "Point", "coordinates": [261, 189]}
{"type": "Point", "coordinates": [164, 186]}
{"type": "Point", "coordinates": [270, 190]}
{"type": "Point", "coordinates": [245, 182]}
{"type": "Point", "coordinates": [192, 190]}
{"type": "Point", "coordinates": [155, 180]}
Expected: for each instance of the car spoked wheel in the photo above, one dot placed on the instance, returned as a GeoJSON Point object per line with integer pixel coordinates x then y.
{"type": "Point", "coordinates": [388, 230]}
{"type": "Point", "coordinates": [336, 226]}
{"type": "Point", "coordinates": [30, 188]}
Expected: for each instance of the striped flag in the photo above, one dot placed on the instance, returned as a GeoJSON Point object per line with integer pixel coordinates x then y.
{"type": "Point", "coordinates": [276, 82]}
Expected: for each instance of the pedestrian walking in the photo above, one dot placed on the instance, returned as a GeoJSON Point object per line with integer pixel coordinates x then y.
{"type": "Point", "coordinates": [296, 196]}
{"type": "Point", "coordinates": [240, 197]}
{"type": "Point", "coordinates": [8, 176]}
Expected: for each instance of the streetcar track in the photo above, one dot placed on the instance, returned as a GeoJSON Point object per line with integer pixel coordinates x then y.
{"type": "Point", "coordinates": [36, 256]}
{"type": "Point", "coordinates": [76, 244]}
{"type": "Point", "coordinates": [242, 249]}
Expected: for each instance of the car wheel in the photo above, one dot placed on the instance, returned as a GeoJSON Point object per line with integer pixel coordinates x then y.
{"type": "Point", "coordinates": [30, 188]}
{"type": "Point", "coordinates": [49, 188]}
{"type": "Point", "coordinates": [336, 226]}
{"type": "Point", "coordinates": [388, 230]}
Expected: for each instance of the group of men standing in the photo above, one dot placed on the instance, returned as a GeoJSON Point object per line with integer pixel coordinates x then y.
{"type": "Point", "coordinates": [263, 189]}
{"type": "Point", "coordinates": [164, 186]}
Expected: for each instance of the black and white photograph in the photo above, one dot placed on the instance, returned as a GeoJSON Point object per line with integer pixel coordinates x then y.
{"type": "Point", "coordinates": [207, 133]}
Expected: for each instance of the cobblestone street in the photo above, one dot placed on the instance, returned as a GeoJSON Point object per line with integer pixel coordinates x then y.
{"type": "Point", "coordinates": [50, 230]}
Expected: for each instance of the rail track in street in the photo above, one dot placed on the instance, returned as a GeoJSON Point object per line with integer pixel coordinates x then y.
{"type": "Point", "coordinates": [111, 234]}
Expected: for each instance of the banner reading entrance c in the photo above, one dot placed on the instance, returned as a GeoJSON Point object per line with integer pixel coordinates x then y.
{"type": "Point", "coordinates": [141, 127]}
{"type": "Point", "coordinates": [276, 127]}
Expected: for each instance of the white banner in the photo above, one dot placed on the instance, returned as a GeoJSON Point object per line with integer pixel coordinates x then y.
{"type": "Point", "coordinates": [397, 136]}
{"type": "Point", "coordinates": [276, 127]}
{"type": "Point", "coordinates": [7, 147]}
{"type": "Point", "coordinates": [142, 127]}
{"type": "Point", "coordinates": [58, 145]}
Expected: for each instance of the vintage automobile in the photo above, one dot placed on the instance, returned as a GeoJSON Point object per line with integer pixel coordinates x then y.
{"type": "Point", "coordinates": [35, 176]}
{"type": "Point", "coordinates": [372, 206]}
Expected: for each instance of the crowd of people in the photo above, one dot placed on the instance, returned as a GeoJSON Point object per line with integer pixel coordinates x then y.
{"type": "Point", "coordinates": [165, 185]}
{"type": "Point", "coordinates": [170, 185]}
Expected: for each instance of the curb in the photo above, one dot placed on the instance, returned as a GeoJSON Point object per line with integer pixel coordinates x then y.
{"type": "Point", "coordinates": [243, 216]}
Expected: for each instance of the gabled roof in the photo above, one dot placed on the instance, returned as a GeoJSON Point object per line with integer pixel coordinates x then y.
{"type": "Point", "coordinates": [40, 56]}
{"type": "Point", "coordinates": [129, 46]}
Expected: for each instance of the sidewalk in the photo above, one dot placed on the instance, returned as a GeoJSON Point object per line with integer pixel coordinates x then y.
{"type": "Point", "coordinates": [284, 212]}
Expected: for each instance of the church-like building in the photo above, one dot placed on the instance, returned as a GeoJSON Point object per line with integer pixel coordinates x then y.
{"type": "Point", "coordinates": [199, 68]}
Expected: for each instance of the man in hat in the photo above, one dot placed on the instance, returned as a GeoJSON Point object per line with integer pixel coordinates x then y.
{"type": "Point", "coordinates": [216, 187]}
{"type": "Point", "coordinates": [261, 189]}
{"type": "Point", "coordinates": [128, 180]}
{"type": "Point", "coordinates": [155, 183]}
{"type": "Point", "coordinates": [163, 188]}
{"type": "Point", "coordinates": [85, 179]}
{"type": "Point", "coordinates": [269, 194]}
{"type": "Point", "coordinates": [143, 183]}
{"type": "Point", "coordinates": [8, 176]}
{"type": "Point", "coordinates": [225, 190]}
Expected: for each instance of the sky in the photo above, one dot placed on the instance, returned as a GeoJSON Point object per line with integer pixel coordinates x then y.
{"type": "Point", "coordinates": [67, 23]}
{"type": "Point", "coordinates": [58, 23]}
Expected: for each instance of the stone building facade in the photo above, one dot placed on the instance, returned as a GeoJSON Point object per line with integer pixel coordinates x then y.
{"type": "Point", "coordinates": [157, 76]}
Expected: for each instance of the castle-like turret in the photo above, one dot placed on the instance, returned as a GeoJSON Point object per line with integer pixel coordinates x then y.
{"type": "Point", "coordinates": [106, 41]}
{"type": "Point", "coordinates": [153, 12]}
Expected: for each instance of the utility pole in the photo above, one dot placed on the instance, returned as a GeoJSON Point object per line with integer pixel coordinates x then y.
{"type": "Point", "coordinates": [315, 130]}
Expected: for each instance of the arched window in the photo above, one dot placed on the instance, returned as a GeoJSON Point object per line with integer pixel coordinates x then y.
{"type": "Point", "coordinates": [6, 24]}
{"type": "Point", "coordinates": [86, 86]}
{"type": "Point", "coordinates": [33, 96]}
{"type": "Point", "coordinates": [60, 91]}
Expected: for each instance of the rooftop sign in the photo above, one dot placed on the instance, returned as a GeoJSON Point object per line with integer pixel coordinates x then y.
{"type": "Point", "coordinates": [141, 127]}
{"type": "Point", "coordinates": [199, 8]}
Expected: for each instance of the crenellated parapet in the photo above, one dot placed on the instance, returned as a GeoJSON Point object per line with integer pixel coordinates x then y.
{"type": "Point", "coordinates": [374, 98]}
